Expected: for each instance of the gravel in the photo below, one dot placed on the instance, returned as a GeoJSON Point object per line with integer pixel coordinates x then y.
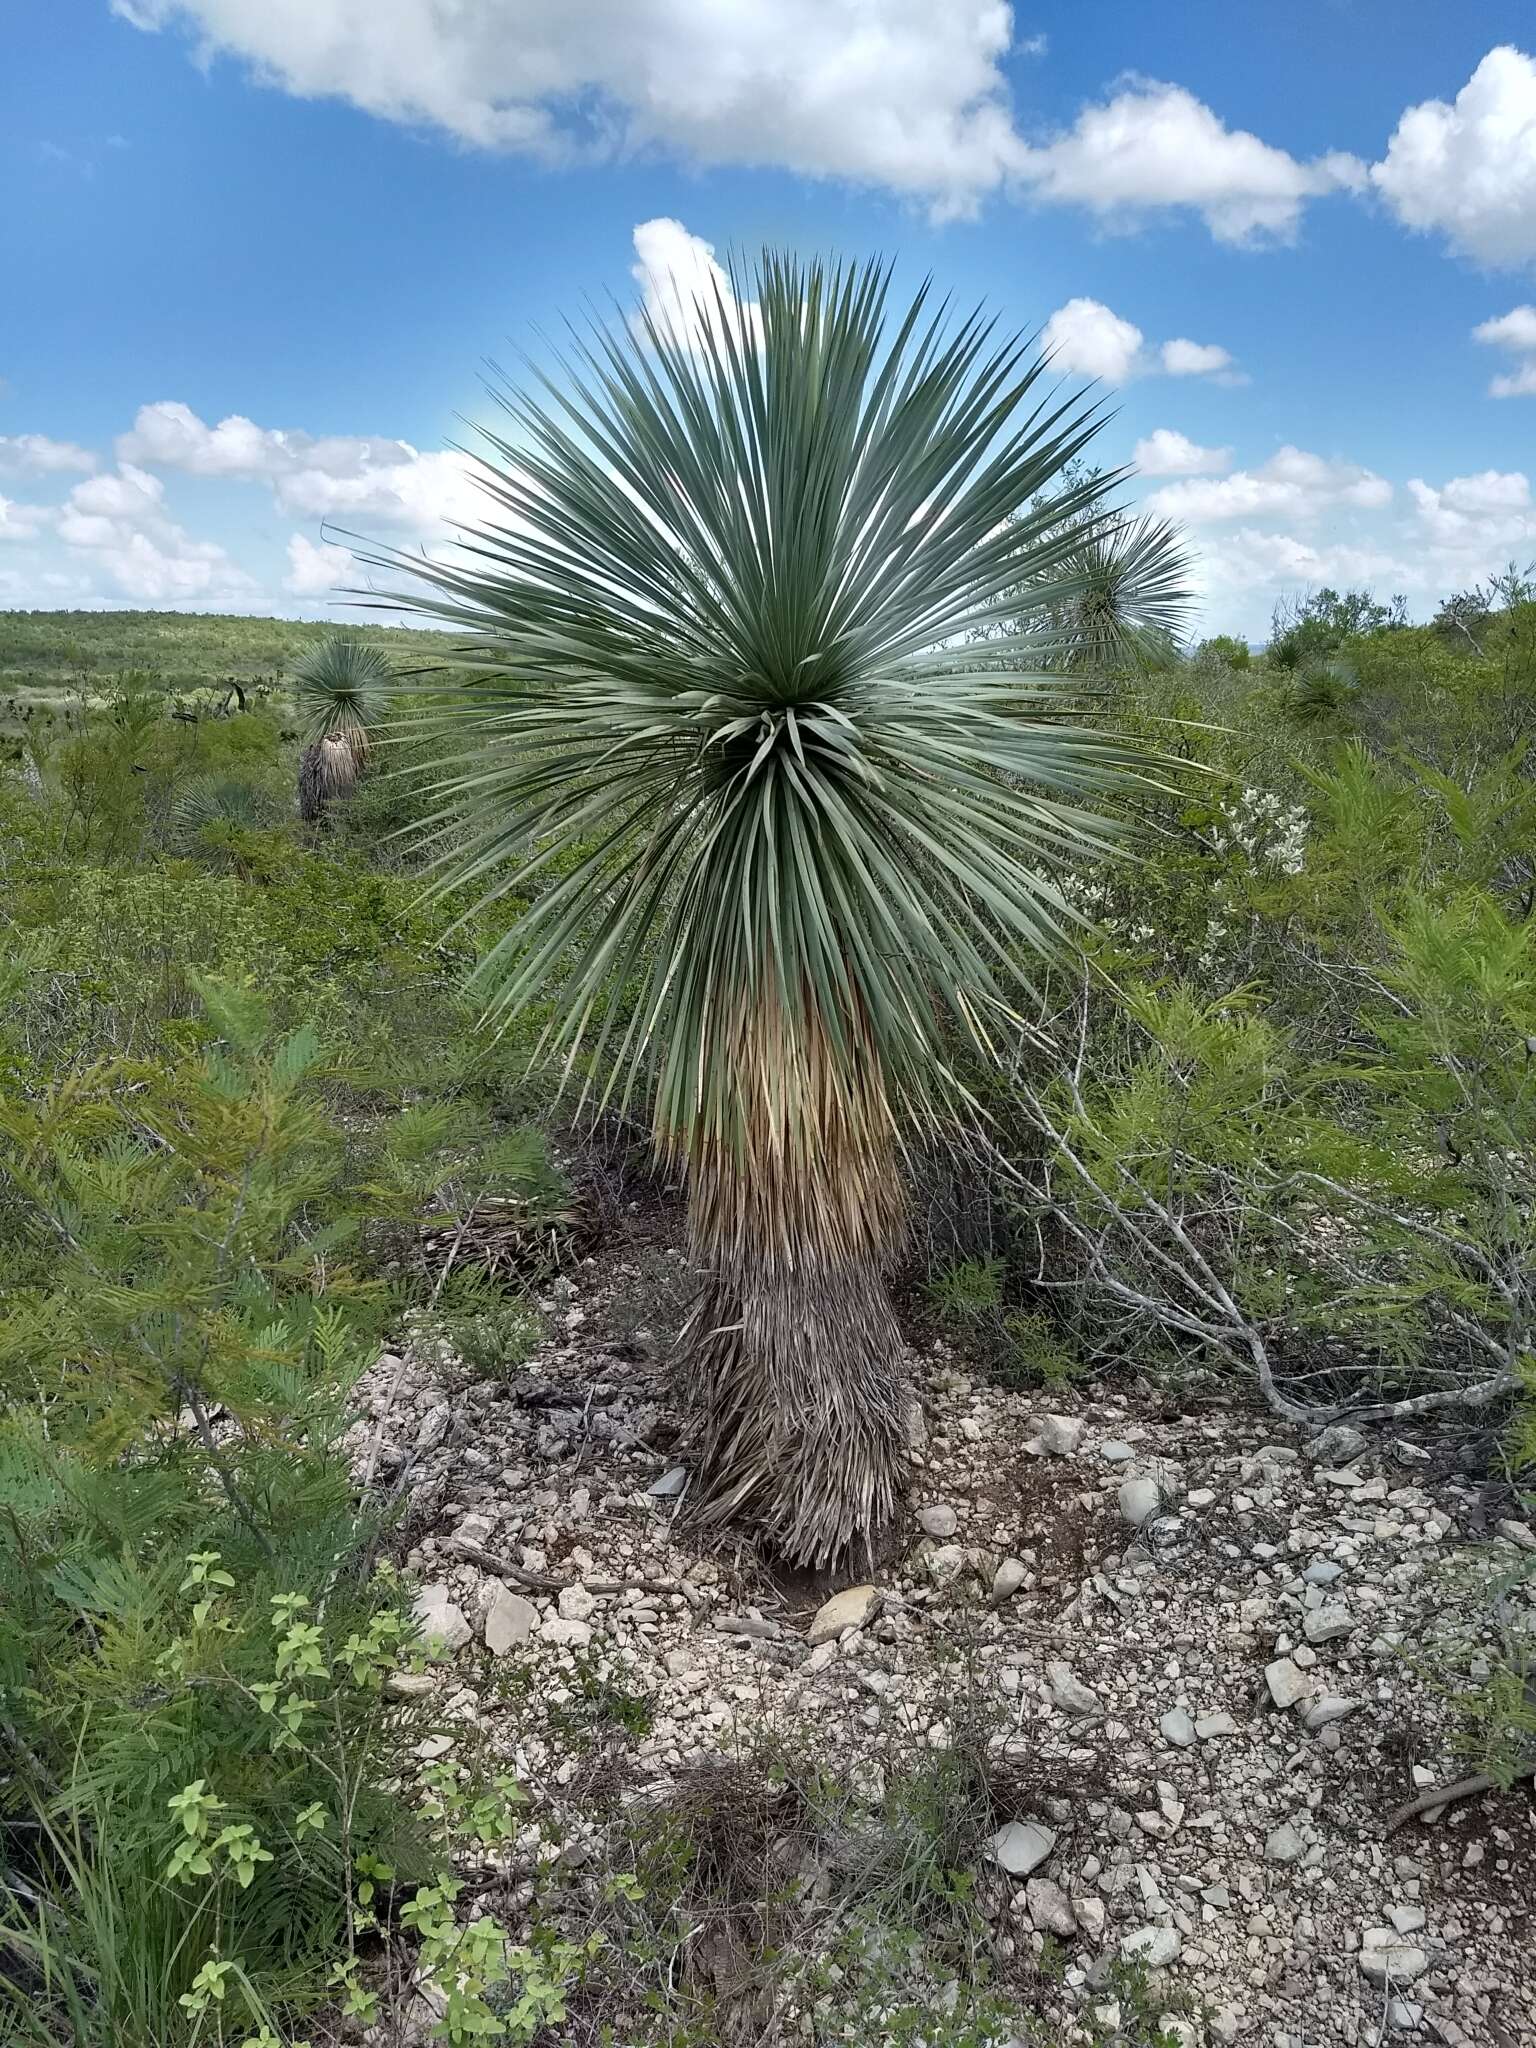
{"type": "Point", "coordinates": [1199, 1738]}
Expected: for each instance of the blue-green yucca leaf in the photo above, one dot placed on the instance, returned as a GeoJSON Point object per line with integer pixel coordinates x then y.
{"type": "Point", "coordinates": [342, 686]}
{"type": "Point", "coordinates": [739, 729]}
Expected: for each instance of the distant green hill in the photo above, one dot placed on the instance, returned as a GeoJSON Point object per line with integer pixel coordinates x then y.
{"type": "Point", "coordinates": [54, 652]}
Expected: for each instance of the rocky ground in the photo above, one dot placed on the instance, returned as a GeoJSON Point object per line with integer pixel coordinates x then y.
{"type": "Point", "coordinates": [1202, 1658]}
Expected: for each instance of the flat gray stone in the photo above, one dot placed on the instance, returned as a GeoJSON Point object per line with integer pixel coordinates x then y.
{"type": "Point", "coordinates": [1007, 1579]}
{"type": "Point", "coordinates": [1287, 1683]}
{"type": "Point", "coordinates": [670, 1484]}
{"type": "Point", "coordinates": [938, 1521]}
{"type": "Point", "coordinates": [849, 1609]}
{"type": "Point", "coordinates": [1049, 1908]}
{"type": "Point", "coordinates": [1157, 1947]}
{"type": "Point", "coordinates": [1061, 1434]}
{"type": "Point", "coordinates": [1327, 1624]}
{"type": "Point", "coordinates": [443, 1622]}
{"type": "Point", "coordinates": [1211, 1727]}
{"type": "Point", "coordinates": [1386, 1957]}
{"type": "Point", "coordinates": [1113, 1452]}
{"type": "Point", "coordinates": [509, 1620]}
{"type": "Point", "coordinates": [1069, 1692]}
{"type": "Point", "coordinates": [1177, 1727]}
{"type": "Point", "coordinates": [1284, 1845]}
{"type": "Point", "coordinates": [566, 1634]}
{"type": "Point", "coordinates": [1021, 1846]}
{"type": "Point", "coordinates": [1339, 1444]}
{"type": "Point", "coordinates": [410, 1685]}
{"type": "Point", "coordinates": [1139, 1501]}
{"type": "Point", "coordinates": [1324, 1712]}
{"type": "Point", "coordinates": [1322, 1572]}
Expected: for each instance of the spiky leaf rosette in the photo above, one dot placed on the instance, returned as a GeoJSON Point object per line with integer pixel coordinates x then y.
{"type": "Point", "coordinates": [741, 749]}
{"type": "Point", "coordinates": [1133, 600]}
{"type": "Point", "coordinates": [342, 685]}
{"type": "Point", "coordinates": [781, 823]}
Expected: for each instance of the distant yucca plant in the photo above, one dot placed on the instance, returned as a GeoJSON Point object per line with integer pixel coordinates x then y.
{"type": "Point", "coordinates": [213, 800]}
{"type": "Point", "coordinates": [1133, 592]}
{"type": "Point", "coordinates": [342, 686]}
{"type": "Point", "coordinates": [787, 805]}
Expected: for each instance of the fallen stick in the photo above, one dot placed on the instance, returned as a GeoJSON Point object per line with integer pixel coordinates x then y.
{"type": "Point", "coordinates": [1464, 1788]}
{"type": "Point", "coordinates": [542, 1582]}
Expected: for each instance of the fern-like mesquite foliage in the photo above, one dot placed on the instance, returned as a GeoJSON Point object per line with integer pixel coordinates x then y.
{"type": "Point", "coordinates": [788, 822]}
{"type": "Point", "coordinates": [342, 686]}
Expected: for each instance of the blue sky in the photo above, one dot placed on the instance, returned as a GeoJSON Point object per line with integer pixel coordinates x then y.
{"type": "Point", "coordinates": [310, 221]}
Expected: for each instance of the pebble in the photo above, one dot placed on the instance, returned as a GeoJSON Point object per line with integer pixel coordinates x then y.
{"type": "Point", "coordinates": [442, 1621]}
{"type": "Point", "coordinates": [1386, 1957]}
{"type": "Point", "coordinates": [1061, 1434]}
{"type": "Point", "coordinates": [1021, 1846]}
{"type": "Point", "coordinates": [670, 1485]}
{"type": "Point", "coordinates": [1049, 1908]}
{"type": "Point", "coordinates": [1007, 1579]}
{"type": "Point", "coordinates": [1324, 1712]}
{"type": "Point", "coordinates": [938, 1521]}
{"type": "Point", "coordinates": [1287, 1684]}
{"type": "Point", "coordinates": [1327, 1624]}
{"type": "Point", "coordinates": [1284, 1845]}
{"type": "Point", "coordinates": [1069, 1692]}
{"type": "Point", "coordinates": [1116, 1453]}
{"type": "Point", "coordinates": [509, 1620]}
{"type": "Point", "coordinates": [1157, 1947]}
{"type": "Point", "coordinates": [849, 1609]}
{"type": "Point", "coordinates": [1177, 1727]}
{"type": "Point", "coordinates": [1139, 1500]}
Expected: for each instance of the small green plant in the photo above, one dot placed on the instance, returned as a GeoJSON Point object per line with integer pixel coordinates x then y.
{"type": "Point", "coordinates": [493, 1333]}
{"type": "Point", "coordinates": [968, 1289]}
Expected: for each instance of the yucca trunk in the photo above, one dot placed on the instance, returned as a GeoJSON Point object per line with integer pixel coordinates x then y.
{"type": "Point", "coordinates": [792, 1348]}
{"type": "Point", "coordinates": [328, 769]}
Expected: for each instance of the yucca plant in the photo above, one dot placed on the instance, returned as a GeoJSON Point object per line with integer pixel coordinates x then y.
{"type": "Point", "coordinates": [342, 687]}
{"type": "Point", "coordinates": [1131, 600]}
{"type": "Point", "coordinates": [788, 825]}
{"type": "Point", "coordinates": [213, 802]}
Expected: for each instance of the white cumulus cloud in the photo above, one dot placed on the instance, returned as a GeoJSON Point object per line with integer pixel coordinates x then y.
{"type": "Point", "coordinates": [909, 95]}
{"type": "Point", "coordinates": [38, 455]}
{"type": "Point", "coordinates": [1154, 145]}
{"type": "Point", "coordinates": [316, 569]}
{"type": "Point", "coordinates": [120, 519]}
{"type": "Point", "coordinates": [900, 93]}
{"type": "Point", "coordinates": [1088, 339]}
{"type": "Point", "coordinates": [1182, 358]}
{"type": "Point", "coordinates": [1085, 337]}
{"type": "Point", "coordinates": [682, 285]}
{"type": "Point", "coordinates": [1515, 331]}
{"type": "Point", "coordinates": [1488, 515]}
{"type": "Point", "coordinates": [20, 522]}
{"type": "Point", "coordinates": [1167, 452]}
{"type": "Point", "coordinates": [1466, 169]}
{"type": "Point", "coordinates": [365, 478]}
{"type": "Point", "coordinates": [1292, 484]}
